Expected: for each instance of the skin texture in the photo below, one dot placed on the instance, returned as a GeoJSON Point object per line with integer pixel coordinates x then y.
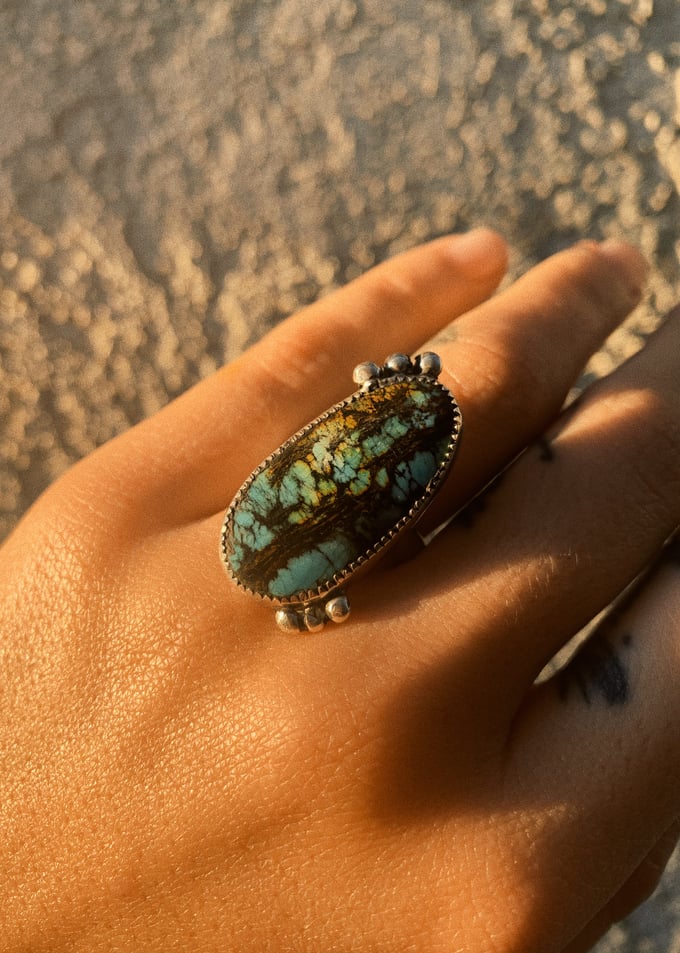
{"type": "Point", "coordinates": [177, 774]}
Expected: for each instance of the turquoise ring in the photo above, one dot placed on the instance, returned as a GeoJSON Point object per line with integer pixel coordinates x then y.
{"type": "Point", "coordinates": [334, 496]}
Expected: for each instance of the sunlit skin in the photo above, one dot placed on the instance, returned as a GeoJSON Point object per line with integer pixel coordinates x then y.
{"type": "Point", "coordinates": [177, 774]}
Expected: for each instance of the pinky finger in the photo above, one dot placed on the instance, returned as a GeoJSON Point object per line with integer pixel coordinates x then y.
{"type": "Point", "coordinates": [596, 749]}
{"type": "Point", "coordinates": [636, 890]}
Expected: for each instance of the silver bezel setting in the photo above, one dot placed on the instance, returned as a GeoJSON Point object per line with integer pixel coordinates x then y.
{"type": "Point", "coordinates": [333, 589]}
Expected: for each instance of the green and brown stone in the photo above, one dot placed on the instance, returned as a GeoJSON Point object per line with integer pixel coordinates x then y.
{"type": "Point", "coordinates": [328, 497]}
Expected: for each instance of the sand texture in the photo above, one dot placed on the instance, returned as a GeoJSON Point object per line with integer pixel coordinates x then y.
{"type": "Point", "coordinates": [176, 176]}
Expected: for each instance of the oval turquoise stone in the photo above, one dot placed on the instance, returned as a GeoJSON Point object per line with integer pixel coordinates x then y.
{"type": "Point", "coordinates": [337, 491]}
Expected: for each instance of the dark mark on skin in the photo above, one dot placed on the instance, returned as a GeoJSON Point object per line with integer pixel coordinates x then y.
{"type": "Point", "coordinates": [545, 447]}
{"type": "Point", "coordinates": [467, 517]}
{"type": "Point", "coordinates": [450, 333]}
{"type": "Point", "coordinates": [672, 550]}
{"type": "Point", "coordinates": [597, 671]}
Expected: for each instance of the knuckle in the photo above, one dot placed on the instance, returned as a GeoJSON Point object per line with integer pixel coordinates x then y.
{"type": "Point", "coordinates": [508, 382]}
{"type": "Point", "coordinates": [281, 368]}
{"type": "Point", "coordinates": [584, 281]}
{"type": "Point", "coordinates": [394, 290]}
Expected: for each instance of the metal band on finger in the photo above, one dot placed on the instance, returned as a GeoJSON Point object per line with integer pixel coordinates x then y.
{"type": "Point", "coordinates": [334, 496]}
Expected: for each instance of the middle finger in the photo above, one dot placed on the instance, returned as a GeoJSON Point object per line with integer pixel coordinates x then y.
{"type": "Point", "coordinates": [511, 362]}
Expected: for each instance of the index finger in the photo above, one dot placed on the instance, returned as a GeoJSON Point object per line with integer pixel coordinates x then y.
{"type": "Point", "coordinates": [186, 462]}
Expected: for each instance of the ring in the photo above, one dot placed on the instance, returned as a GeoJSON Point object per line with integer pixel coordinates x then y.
{"type": "Point", "coordinates": [334, 496]}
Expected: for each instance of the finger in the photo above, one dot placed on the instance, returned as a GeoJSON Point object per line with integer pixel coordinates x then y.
{"type": "Point", "coordinates": [188, 460]}
{"type": "Point", "coordinates": [638, 888]}
{"type": "Point", "coordinates": [512, 361]}
{"type": "Point", "coordinates": [645, 880]}
{"type": "Point", "coordinates": [562, 536]}
{"type": "Point", "coordinates": [597, 746]}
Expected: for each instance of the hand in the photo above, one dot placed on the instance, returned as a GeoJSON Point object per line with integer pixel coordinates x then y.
{"type": "Point", "coordinates": [177, 774]}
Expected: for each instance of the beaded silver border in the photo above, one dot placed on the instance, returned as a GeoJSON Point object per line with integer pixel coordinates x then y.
{"type": "Point", "coordinates": [372, 380]}
{"type": "Point", "coordinates": [339, 579]}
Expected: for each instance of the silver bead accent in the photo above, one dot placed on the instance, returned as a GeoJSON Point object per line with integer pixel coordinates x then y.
{"type": "Point", "coordinates": [337, 609]}
{"type": "Point", "coordinates": [430, 363]}
{"type": "Point", "coordinates": [365, 372]}
{"type": "Point", "coordinates": [288, 620]}
{"type": "Point", "coordinates": [315, 618]}
{"type": "Point", "coordinates": [384, 390]}
{"type": "Point", "coordinates": [399, 363]}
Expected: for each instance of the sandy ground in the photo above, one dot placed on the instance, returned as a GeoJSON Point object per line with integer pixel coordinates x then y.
{"type": "Point", "coordinates": [176, 176]}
